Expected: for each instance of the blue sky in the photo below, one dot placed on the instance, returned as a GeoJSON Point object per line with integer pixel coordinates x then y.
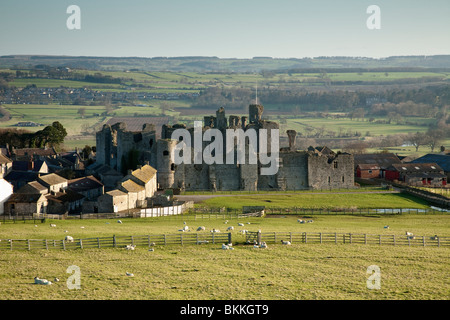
{"type": "Point", "coordinates": [226, 29]}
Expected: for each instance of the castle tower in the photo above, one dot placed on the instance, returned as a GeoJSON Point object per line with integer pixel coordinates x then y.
{"type": "Point", "coordinates": [165, 163]}
{"type": "Point", "coordinates": [255, 112]}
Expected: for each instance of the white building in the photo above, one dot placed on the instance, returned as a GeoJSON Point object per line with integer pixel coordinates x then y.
{"type": "Point", "coordinates": [6, 190]}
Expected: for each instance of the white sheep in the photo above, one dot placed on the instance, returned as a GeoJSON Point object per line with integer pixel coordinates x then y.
{"type": "Point", "coordinates": [201, 228]}
{"type": "Point", "coordinates": [68, 239]}
{"type": "Point", "coordinates": [215, 230]}
{"type": "Point", "coordinates": [119, 221]}
{"type": "Point", "coordinates": [230, 228]}
{"type": "Point", "coordinates": [300, 221]}
{"type": "Point", "coordinates": [151, 249]}
{"type": "Point", "coordinates": [409, 233]}
{"type": "Point", "coordinates": [129, 274]}
{"type": "Point", "coordinates": [310, 221]}
{"type": "Point", "coordinates": [285, 242]}
{"type": "Point", "coordinates": [386, 227]}
{"type": "Point", "coordinates": [240, 224]}
{"type": "Point", "coordinates": [434, 238]}
{"type": "Point", "coordinates": [52, 225]}
{"type": "Point", "coordinates": [243, 231]}
{"type": "Point", "coordinates": [130, 247]}
{"type": "Point", "coordinates": [263, 245]}
{"type": "Point", "coordinates": [41, 281]}
{"type": "Point", "coordinates": [227, 246]}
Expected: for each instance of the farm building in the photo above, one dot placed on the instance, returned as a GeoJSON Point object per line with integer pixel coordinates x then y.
{"type": "Point", "coordinates": [442, 160]}
{"type": "Point", "coordinates": [368, 171]}
{"type": "Point", "coordinates": [382, 161]}
{"type": "Point", "coordinates": [26, 204]}
{"type": "Point", "coordinates": [63, 202]}
{"type": "Point", "coordinates": [429, 174]}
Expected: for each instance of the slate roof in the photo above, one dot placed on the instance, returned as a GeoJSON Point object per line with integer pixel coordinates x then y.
{"type": "Point", "coordinates": [442, 160]}
{"type": "Point", "coordinates": [416, 167]}
{"type": "Point", "coordinates": [384, 160]}
{"type": "Point", "coordinates": [25, 198]}
{"type": "Point", "coordinates": [84, 183]}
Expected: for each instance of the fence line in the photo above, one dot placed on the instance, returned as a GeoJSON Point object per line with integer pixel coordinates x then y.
{"type": "Point", "coordinates": [347, 238]}
{"type": "Point", "coordinates": [322, 211]}
{"type": "Point", "coordinates": [116, 241]}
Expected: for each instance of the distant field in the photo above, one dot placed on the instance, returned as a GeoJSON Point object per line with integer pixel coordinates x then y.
{"type": "Point", "coordinates": [296, 272]}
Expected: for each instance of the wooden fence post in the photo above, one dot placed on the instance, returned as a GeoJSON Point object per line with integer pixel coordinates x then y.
{"type": "Point", "coordinates": [335, 237]}
{"type": "Point", "coordinates": [229, 237]}
{"type": "Point", "coordinates": [259, 236]}
{"type": "Point", "coordinates": [28, 242]}
{"type": "Point", "coordinates": [114, 241]}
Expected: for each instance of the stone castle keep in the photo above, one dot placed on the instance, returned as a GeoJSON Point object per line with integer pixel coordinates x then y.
{"type": "Point", "coordinates": [314, 168]}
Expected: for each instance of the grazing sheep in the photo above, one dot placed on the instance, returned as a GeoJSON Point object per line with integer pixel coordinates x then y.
{"type": "Point", "coordinates": [202, 242]}
{"type": "Point", "coordinates": [230, 228]}
{"type": "Point", "coordinates": [41, 281]}
{"type": "Point", "coordinates": [386, 227]}
{"type": "Point", "coordinates": [81, 227]}
{"type": "Point", "coordinates": [130, 247]}
{"type": "Point", "coordinates": [52, 225]}
{"type": "Point", "coordinates": [240, 224]}
{"type": "Point", "coordinates": [129, 274]}
{"type": "Point", "coordinates": [263, 245]}
{"type": "Point", "coordinates": [243, 231]}
{"type": "Point", "coordinates": [215, 230]}
{"type": "Point", "coordinates": [409, 233]}
{"type": "Point", "coordinates": [411, 237]}
{"type": "Point", "coordinates": [227, 247]}
{"type": "Point", "coordinates": [68, 239]}
{"type": "Point", "coordinates": [434, 238]}
{"type": "Point", "coordinates": [310, 221]}
{"type": "Point", "coordinates": [151, 249]}
{"type": "Point", "coordinates": [119, 221]}
{"type": "Point", "coordinates": [285, 242]}
{"type": "Point", "coordinates": [185, 228]}
{"type": "Point", "coordinates": [152, 244]}
{"type": "Point", "coordinates": [299, 220]}
{"type": "Point", "coordinates": [201, 228]}
{"type": "Point", "coordinates": [56, 280]}
{"type": "Point", "coordinates": [226, 221]}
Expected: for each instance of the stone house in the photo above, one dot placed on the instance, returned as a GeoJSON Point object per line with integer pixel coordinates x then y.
{"type": "Point", "coordinates": [26, 204]}
{"type": "Point", "coordinates": [53, 182]}
{"type": "Point", "coordinates": [112, 201]}
{"type": "Point", "coordinates": [88, 186]}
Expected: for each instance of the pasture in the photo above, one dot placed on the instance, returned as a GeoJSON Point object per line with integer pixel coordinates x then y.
{"type": "Point", "coordinates": [296, 272]}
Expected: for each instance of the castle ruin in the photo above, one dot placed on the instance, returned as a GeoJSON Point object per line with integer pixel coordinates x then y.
{"type": "Point", "coordinates": [315, 168]}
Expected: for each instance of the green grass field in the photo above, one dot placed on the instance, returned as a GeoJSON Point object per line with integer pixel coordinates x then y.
{"type": "Point", "coordinates": [354, 200]}
{"type": "Point", "coordinates": [296, 272]}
